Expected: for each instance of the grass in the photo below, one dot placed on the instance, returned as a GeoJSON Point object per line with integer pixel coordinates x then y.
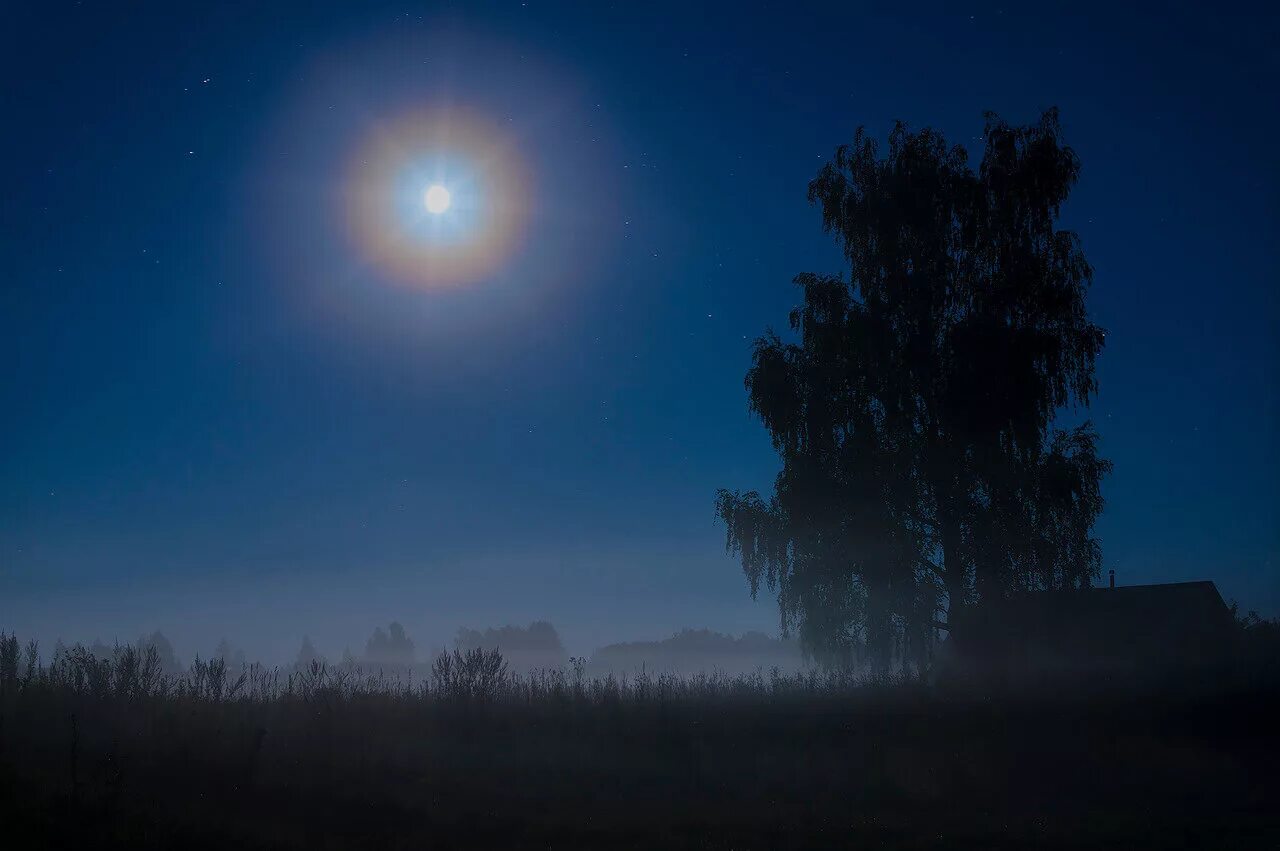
{"type": "Point", "coordinates": [113, 753]}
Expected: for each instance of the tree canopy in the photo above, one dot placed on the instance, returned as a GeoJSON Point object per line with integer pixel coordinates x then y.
{"type": "Point", "coordinates": [914, 407]}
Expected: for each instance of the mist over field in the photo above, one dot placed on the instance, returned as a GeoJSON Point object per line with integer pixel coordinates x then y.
{"type": "Point", "coordinates": [267, 616]}
{"type": "Point", "coordinates": [560, 425]}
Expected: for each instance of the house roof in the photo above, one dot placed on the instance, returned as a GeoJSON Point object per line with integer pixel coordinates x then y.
{"type": "Point", "coordinates": [1096, 613]}
{"type": "Point", "coordinates": [1172, 599]}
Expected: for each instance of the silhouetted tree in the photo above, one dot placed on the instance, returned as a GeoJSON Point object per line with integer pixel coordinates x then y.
{"type": "Point", "coordinates": [525, 648]}
{"type": "Point", "coordinates": [692, 651]}
{"type": "Point", "coordinates": [169, 663]}
{"type": "Point", "coordinates": [392, 648]}
{"type": "Point", "coordinates": [307, 653]}
{"type": "Point", "coordinates": [233, 657]}
{"type": "Point", "coordinates": [9, 649]}
{"type": "Point", "coordinates": [914, 413]}
{"type": "Point", "coordinates": [1258, 646]}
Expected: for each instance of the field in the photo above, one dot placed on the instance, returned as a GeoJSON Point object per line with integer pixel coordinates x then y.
{"type": "Point", "coordinates": [100, 753]}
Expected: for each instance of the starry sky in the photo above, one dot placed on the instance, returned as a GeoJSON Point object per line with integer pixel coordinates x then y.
{"type": "Point", "coordinates": [220, 418]}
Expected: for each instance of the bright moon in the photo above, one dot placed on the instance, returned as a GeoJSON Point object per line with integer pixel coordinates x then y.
{"type": "Point", "coordinates": [437, 199]}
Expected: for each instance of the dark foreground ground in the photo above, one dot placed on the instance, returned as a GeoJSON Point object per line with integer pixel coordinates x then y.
{"type": "Point", "coordinates": [322, 763]}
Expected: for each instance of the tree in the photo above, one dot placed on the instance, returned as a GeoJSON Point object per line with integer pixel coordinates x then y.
{"type": "Point", "coordinates": [393, 650]}
{"type": "Point", "coordinates": [233, 656]}
{"type": "Point", "coordinates": [914, 414]}
{"type": "Point", "coordinates": [169, 663]}
{"type": "Point", "coordinates": [525, 649]}
{"type": "Point", "coordinates": [307, 654]}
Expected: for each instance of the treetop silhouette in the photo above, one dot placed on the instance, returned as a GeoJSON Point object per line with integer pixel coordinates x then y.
{"type": "Point", "coordinates": [914, 412]}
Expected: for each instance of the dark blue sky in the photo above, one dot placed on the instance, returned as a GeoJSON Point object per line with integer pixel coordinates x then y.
{"type": "Point", "coordinates": [218, 419]}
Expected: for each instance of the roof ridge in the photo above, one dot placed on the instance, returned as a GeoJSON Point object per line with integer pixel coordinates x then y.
{"type": "Point", "coordinates": [1154, 585]}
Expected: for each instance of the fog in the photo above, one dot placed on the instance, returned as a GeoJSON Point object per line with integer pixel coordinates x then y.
{"type": "Point", "coordinates": [536, 647]}
{"type": "Point", "coordinates": [267, 613]}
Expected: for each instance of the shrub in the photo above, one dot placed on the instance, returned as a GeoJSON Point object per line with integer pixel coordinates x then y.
{"type": "Point", "coordinates": [476, 675]}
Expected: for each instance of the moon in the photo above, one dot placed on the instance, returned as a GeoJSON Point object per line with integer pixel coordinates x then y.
{"type": "Point", "coordinates": [436, 198]}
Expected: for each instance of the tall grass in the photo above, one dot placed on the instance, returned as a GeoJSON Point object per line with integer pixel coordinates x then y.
{"type": "Point", "coordinates": [477, 675]}
{"type": "Point", "coordinates": [97, 752]}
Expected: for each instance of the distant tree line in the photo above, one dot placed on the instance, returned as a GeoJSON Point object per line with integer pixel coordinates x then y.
{"type": "Point", "coordinates": [524, 649]}
{"type": "Point", "coordinates": [479, 655]}
{"type": "Point", "coordinates": [692, 651]}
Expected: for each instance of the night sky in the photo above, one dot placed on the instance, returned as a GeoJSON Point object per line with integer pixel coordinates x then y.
{"type": "Point", "coordinates": [224, 414]}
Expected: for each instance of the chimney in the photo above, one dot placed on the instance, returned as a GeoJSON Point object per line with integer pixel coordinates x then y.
{"type": "Point", "coordinates": [1112, 575]}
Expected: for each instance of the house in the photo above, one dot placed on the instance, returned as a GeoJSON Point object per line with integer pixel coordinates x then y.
{"type": "Point", "coordinates": [1138, 634]}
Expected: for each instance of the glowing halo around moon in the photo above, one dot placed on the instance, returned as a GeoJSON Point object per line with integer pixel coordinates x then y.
{"type": "Point", "coordinates": [436, 198]}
